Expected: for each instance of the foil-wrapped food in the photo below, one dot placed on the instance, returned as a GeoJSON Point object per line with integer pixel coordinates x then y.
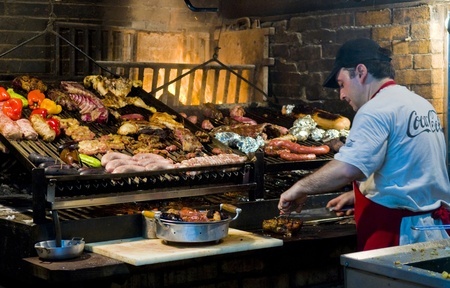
{"type": "Point", "coordinates": [244, 144]}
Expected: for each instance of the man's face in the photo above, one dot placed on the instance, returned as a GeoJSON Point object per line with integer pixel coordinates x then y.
{"type": "Point", "coordinates": [350, 87]}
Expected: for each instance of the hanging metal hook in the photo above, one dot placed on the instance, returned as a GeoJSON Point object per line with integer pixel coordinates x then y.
{"type": "Point", "coordinates": [195, 9]}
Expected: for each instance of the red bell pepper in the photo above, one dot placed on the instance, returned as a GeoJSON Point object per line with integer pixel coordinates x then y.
{"type": "Point", "coordinates": [41, 111]}
{"type": "Point", "coordinates": [4, 95]}
{"type": "Point", "coordinates": [13, 108]}
{"type": "Point", "coordinates": [55, 125]}
{"type": "Point", "coordinates": [35, 98]}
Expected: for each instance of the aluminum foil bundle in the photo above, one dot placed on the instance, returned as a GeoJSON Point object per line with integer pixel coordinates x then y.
{"type": "Point", "coordinates": [330, 135]}
{"type": "Point", "coordinates": [302, 127]}
{"type": "Point", "coordinates": [244, 144]}
{"type": "Point", "coordinates": [317, 134]}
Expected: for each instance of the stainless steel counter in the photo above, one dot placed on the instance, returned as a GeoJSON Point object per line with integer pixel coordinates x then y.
{"type": "Point", "coordinates": [408, 266]}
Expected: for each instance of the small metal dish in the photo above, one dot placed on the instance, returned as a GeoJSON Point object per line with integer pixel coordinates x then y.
{"type": "Point", "coordinates": [48, 250]}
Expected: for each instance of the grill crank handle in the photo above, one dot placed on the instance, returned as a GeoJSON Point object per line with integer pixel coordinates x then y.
{"type": "Point", "coordinates": [57, 228]}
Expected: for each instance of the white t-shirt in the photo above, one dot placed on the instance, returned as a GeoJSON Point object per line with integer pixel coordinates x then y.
{"type": "Point", "coordinates": [397, 141]}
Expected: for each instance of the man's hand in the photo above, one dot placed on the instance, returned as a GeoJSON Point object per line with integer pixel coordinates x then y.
{"type": "Point", "coordinates": [342, 201]}
{"type": "Point", "coordinates": [287, 205]}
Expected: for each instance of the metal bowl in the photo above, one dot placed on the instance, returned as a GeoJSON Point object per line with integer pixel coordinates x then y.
{"type": "Point", "coordinates": [195, 232]}
{"type": "Point", "coordinates": [69, 249]}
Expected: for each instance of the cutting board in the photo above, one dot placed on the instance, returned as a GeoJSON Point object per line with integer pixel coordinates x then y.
{"type": "Point", "coordinates": [139, 251]}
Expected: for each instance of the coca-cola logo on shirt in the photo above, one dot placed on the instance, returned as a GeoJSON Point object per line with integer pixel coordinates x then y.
{"type": "Point", "coordinates": [418, 124]}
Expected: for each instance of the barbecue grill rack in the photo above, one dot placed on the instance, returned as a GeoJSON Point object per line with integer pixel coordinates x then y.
{"type": "Point", "coordinates": [71, 191]}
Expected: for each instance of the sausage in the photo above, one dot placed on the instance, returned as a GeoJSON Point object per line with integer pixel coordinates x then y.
{"type": "Point", "coordinates": [128, 168]}
{"type": "Point", "coordinates": [193, 119]}
{"type": "Point", "coordinates": [113, 155]}
{"type": "Point", "coordinates": [172, 148]}
{"type": "Point", "coordinates": [145, 162]}
{"type": "Point", "coordinates": [132, 116]}
{"type": "Point", "coordinates": [296, 157]}
{"type": "Point", "coordinates": [297, 148]}
{"type": "Point", "coordinates": [274, 152]}
{"type": "Point", "coordinates": [113, 164]}
{"type": "Point", "coordinates": [159, 166]}
{"type": "Point", "coordinates": [245, 120]}
{"type": "Point", "coordinates": [141, 156]}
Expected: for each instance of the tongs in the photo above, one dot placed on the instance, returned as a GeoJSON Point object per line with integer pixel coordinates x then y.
{"type": "Point", "coordinates": [431, 227]}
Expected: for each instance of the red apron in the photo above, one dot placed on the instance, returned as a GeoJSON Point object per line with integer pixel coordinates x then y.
{"type": "Point", "coordinates": [378, 226]}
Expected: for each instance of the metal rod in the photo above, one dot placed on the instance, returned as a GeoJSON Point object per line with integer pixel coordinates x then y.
{"type": "Point", "coordinates": [214, 59]}
{"type": "Point", "coordinates": [23, 43]}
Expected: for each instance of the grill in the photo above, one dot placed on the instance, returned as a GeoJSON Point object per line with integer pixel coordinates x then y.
{"type": "Point", "coordinates": [85, 202]}
{"type": "Point", "coordinates": [69, 191]}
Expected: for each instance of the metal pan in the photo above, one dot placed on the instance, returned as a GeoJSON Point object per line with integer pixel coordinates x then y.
{"type": "Point", "coordinates": [195, 232]}
{"type": "Point", "coordinates": [68, 249]}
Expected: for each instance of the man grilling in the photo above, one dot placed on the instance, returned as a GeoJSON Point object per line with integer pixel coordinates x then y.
{"type": "Point", "coordinates": [395, 155]}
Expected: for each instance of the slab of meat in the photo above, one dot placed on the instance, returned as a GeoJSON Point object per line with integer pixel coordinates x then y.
{"type": "Point", "coordinates": [188, 140]}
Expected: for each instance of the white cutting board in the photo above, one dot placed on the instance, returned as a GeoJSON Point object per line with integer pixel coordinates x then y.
{"type": "Point", "coordinates": [140, 251]}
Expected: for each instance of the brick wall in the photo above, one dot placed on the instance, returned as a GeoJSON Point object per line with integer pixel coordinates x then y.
{"type": "Point", "coordinates": [304, 47]}
{"type": "Point", "coordinates": [20, 21]}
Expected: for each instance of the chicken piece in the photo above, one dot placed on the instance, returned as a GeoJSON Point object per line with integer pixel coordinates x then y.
{"type": "Point", "coordinates": [165, 119]}
{"type": "Point", "coordinates": [237, 111]}
{"type": "Point", "coordinates": [282, 225]}
{"type": "Point", "coordinates": [28, 133]}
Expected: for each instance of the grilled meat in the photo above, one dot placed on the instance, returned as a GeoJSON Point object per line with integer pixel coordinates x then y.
{"type": "Point", "coordinates": [116, 102]}
{"type": "Point", "coordinates": [237, 111]}
{"type": "Point", "coordinates": [164, 118]}
{"type": "Point", "coordinates": [62, 98]}
{"type": "Point", "coordinates": [120, 87]}
{"type": "Point", "coordinates": [209, 110]}
{"type": "Point", "coordinates": [188, 140]}
{"type": "Point", "coordinates": [133, 127]}
{"type": "Point", "coordinates": [282, 225]}
{"type": "Point", "coordinates": [29, 83]}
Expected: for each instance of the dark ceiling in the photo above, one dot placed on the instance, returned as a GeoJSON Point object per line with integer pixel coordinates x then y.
{"type": "Point", "coordinates": [266, 8]}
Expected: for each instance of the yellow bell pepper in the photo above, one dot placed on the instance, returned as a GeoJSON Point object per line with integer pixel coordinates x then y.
{"type": "Point", "coordinates": [50, 106]}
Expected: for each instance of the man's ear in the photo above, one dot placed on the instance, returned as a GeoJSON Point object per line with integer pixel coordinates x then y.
{"type": "Point", "coordinates": [361, 71]}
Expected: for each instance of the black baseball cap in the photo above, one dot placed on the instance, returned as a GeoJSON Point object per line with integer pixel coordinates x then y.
{"type": "Point", "coordinates": [352, 53]}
